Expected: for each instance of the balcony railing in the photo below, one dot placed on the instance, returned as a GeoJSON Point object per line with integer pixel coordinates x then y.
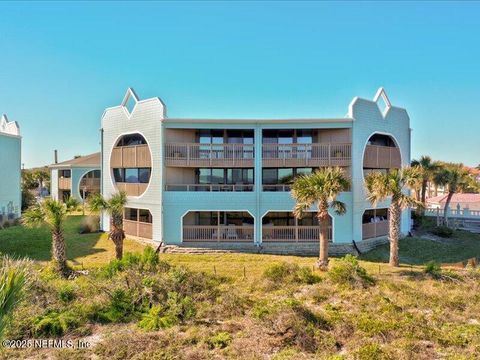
{"type": "Point", "coordinates": [382, 157]}
{"type": "Point", "coordinates": [211, 155]}
{"type": "Point", "coordinates": [277, 187]}
{"type": "Point", "coordinates": [293, 233]}
{"type": "Point", "coordinates": [221, 233]}
{"type": "Point", "coordinates": [132, 189]}
{"type": "Point", "coordinates": [375, 229]}
{"type": "Point", "coordinates": [209, 187]}
{"type": "Point", "coordinates": [90, 183]}
{"type": "Point", "coordinates": [299, 155]}
{"type": "Point", "coordinates": [64, 183]}
{"type": "Point", "coordinates": [135, 156]}
{"type": "Point", "coordinates": [138, 229]}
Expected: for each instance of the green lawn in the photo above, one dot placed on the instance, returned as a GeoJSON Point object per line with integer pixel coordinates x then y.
{"type": "Point", "coordinates": [88, 250]}
{"type": "Point", "coordinates": [415, 251]}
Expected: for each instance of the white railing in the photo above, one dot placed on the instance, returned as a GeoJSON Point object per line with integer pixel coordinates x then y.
{"type": "Point", "coordinates": [194, 154]}
{"type": "Point", "coordinates": [209, 187]}
{"type": "Point", "coordinates": [221, 233]}
{"type": "Point", "coordinates": [293, 233]}
{"type": "Point", "coordinates": [456, 213]}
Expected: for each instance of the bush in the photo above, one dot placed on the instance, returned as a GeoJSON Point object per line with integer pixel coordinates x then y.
{"type": "Point", "coordinates": [433, 268]}
{"type": "Point", "coordinates": [147, 261]}
{"type": "Point", "coordinates": [347, 271]}
{"type": "Point", "coordinates": [155, 319]}
{"type": "Point", "coordinates": [442, 231]}
{"type": "Point", "coordinates": [66, 293]}
{"type": "Point", "coordinates": [54, 323]}
{"type": "Point", "coordinates": [120, 309]}
{"type": "Point", "coordinates": [219, 340]}
{"type": "Point", "coordinates": [290, 273]}
{"type": "Point", "coordinates": [90, 224]}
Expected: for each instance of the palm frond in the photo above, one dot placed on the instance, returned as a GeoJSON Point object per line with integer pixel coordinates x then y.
{"type": "Point", "coordinates": [34, 216]}
{"type": "Point", "coordinates": [339, 207]}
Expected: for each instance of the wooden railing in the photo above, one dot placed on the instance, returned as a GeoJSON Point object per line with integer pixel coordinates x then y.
{"type": "Point", "coordinates": [132, 189]}
{"type": "Point", "coordinates": [221, 233]}
{"type": "Point", "coordinates": [90, 183]}
{"type": "Point", "coordinates": [315, 154]}
{"type": "Point", "coordinates": [213, 155]}
{"type": "Point", "coordinates": [209, 187]}
{"type": "Point", "coordinates": [381, 157]}
{"type": "Point", "coordinates": [293, 233]}
{"type": "Point", "coordinates": [135, 156]}
{"type": "Point", "coordinates": [137, 228]}
{"type": "Point", "coordinates": [64, 183]}
{"type": "Point", "coordinates": [375, 229]}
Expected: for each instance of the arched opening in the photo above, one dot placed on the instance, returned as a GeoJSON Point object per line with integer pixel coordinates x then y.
{"type": "Point", "coordinates": [218, 226]}
{"type": "Point", "coordinates": [283, 226]}
{"type": "Point", "coordinates": [131, 164]}
{"type": "Point", "coordinates": [381, 154]}
{"type": "Point", "coordinates": [89, 184]}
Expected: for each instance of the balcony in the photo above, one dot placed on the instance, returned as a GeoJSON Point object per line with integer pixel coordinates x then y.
{"type": "Point", "coordinates": [306, 155]}
{"type": "Point", "coordinates": [382, 157]}
{"type": "Point", "coordinates": [209, 187]}
{"type": "Point", "coordinates": [132, 189]}
{"type": "Point", "coordinates": [374, 229]}
{"type": "Point", "coordinates": [293, 233]}
{"type": "Point", "coordinates": [209, 155]}
{"type": "Point", "coordinates": [90, 183]}
{"type": "Point", "coordinates": [64, 183]}
{"type": "Point", "coordinates": [137, 229]}
{"type": "Point", "coordinates": [135, 156]}
{"type": "Point", "coordinates": [221, 233]}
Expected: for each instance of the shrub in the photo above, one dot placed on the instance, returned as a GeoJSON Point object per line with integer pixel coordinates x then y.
{"type": "Point", "coordinates": [90, 224]}
{"type": "Point", "coordinates": [66, 293]}
{"type": "Point", "coordinates": [220, 340]}
{"type": "Point", "coordinates": [433, 268]}
{"type": "Point", "coordinates": [370, 352]}
{"type": "Point", "coordinates": [120, 309]}
{"type": "Point", "coordinates": [155, 319]}
{"type": "Point", "coordinates": [54, 323]}
{"type": "Point", "coordinates": [347, 271]}
{"type": "Point", "coordinates": [290, 273]}
{"type": "Point", "coordinates": [442, 231]}
{"type": "Point", "coordinates": [149, 259]}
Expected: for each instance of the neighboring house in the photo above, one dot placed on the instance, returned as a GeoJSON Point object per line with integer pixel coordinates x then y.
{"type": "Point", "coordinates": [228, 180]}
{"type": "Point", "coordinates": [78, 177]}
{"type": "Point", "coordinates": [458, 202]}
{"type": "Point", "coordinates": [10, 165]}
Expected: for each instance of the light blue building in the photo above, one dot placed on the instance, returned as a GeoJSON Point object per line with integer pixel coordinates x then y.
{"type": "Point", "coordinates": [10, 170]}
{"type": "Point", "coordinates": [226, 182]}
{"type": "Point", "coordinates": [78, 177]}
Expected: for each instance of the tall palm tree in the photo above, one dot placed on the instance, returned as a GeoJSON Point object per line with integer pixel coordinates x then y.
{"type": "Point", "coordinates": [114, 207]}
{"type": "Point", "coordinates": [321, 188]}
{"type": "Point", "coordinates": [456, 179]}
{"type": "Point", "coordinates": [394, 184]}
{"type": "Point", "coordinates": [428, 169]}
{"type": "Point", "coordinates": [52, 213]}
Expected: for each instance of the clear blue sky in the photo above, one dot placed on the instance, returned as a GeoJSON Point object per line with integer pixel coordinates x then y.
{"type": "Point", "coordinates": [61, 64]}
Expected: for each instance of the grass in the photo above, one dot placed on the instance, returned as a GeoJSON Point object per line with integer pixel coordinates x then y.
{"type": "Point", "coordinates": [87, 250]}
{"type": "Point", "coordinates": [416, 251]}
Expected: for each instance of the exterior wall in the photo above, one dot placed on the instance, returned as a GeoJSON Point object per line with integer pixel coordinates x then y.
{"type": "Point", "coordinates": [54, 184]}
{"type": "Point", "coordinates": [77, 175]}
{"type": "Point", "coordinates": [10, 163]}
{"type": "Point", "coordinates": [368, 119]}
{"type": "Point", "coordinates": [145, 119]}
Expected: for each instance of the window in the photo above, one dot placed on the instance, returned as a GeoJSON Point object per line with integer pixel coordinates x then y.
{"type": "Point", "coordinates": [225, 176]}
{"type": "Point", "coordinates": [65, 173]}
{"type": "Point", "coordinates": [144, 175]}
{"type": "Point", "coordinates": [144, 216]}
{"type": "Point", "coordinates": [131, 176]}
{"type": "Point", "coordinates": [235, 176]}
{"type": "Point", "coordinates": [119, 175]}
{"type": "Point", "coordinates": [131, 214]}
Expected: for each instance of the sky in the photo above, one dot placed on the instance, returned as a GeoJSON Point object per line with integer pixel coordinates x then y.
{"type": "Point", "coordinates": [62, 64]}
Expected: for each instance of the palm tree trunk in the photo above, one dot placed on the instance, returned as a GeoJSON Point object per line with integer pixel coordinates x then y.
{"type": "Point", "coordinates": [117, 234]}
{"type": "Point", "coordinates": [394, 232]}
{"type": "Point", "coordinates": [424, 194]}
{"type": "Point", "coordinates": [322, 263]}
{"type": "Point", "coordinates": [447, 206]}
{"type": "Point", "coordinates": [59, 252]}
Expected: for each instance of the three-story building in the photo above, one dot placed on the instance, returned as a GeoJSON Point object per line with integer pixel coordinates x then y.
{"type": "Point", "coordinates": [227, 181]}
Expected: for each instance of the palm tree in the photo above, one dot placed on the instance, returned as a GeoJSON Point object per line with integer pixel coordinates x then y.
{"type": "Point", "coordinates": [456, 179]}
{"type": "Point", "coordinates": [428, 169]}
{"type": "Point", "coordinates": [52, 213]}
{"type": "Point", "coordinates": [380, 186]}
{"type": "Point", "coordinates": [114, 207]}
{"type": "Point", "coordinates": [321, 188]}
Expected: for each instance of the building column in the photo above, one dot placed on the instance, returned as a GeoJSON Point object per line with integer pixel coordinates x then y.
{"type": "Point", "coordinates": [258, 184]}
